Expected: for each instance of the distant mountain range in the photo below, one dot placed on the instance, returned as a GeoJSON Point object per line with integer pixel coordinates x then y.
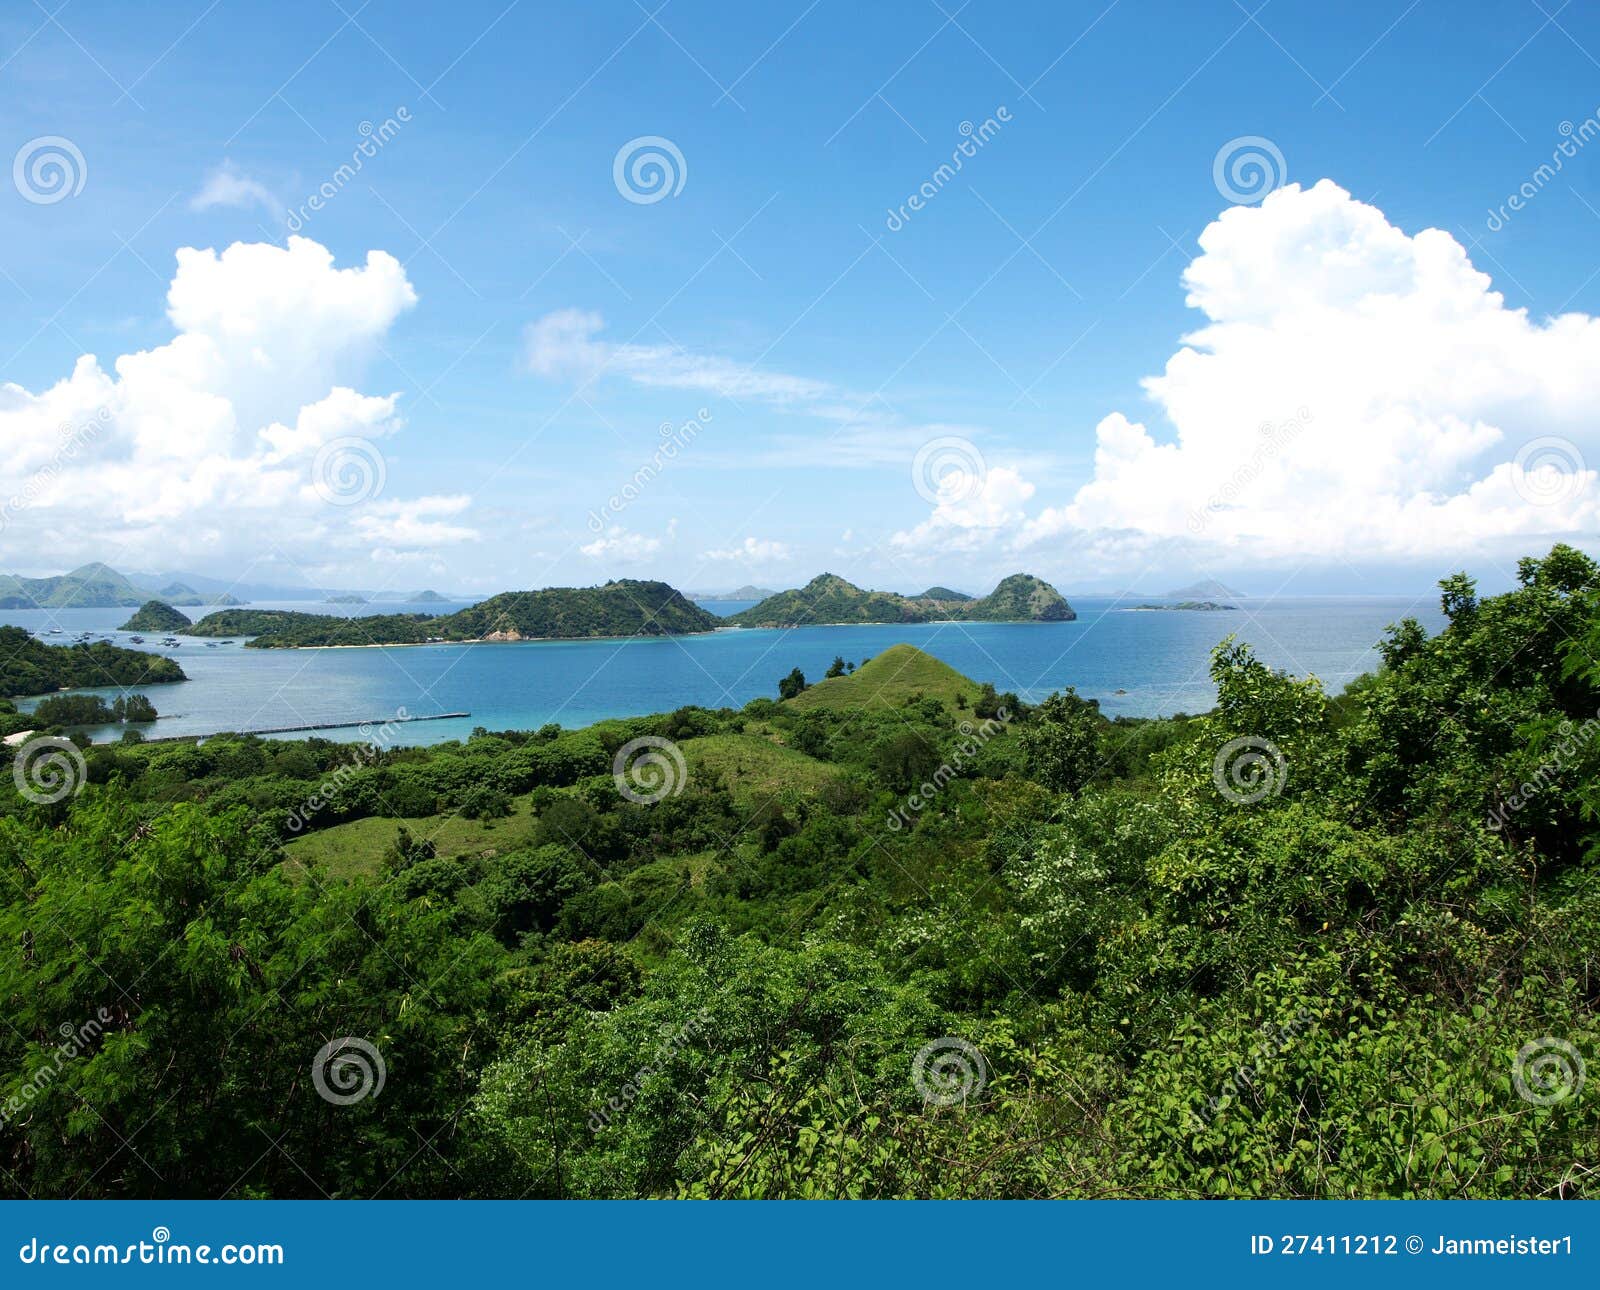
{"type": "Point", "coordinates": [1205, 589]}
{"type": "Point", "coordinates": [739, 593]}
{"type": "Point", "coordinates": [98, 586]}
{"type": "Point", "coordinates": [829, 599]}
{"type": "Point", "coordinates": [94, 586]}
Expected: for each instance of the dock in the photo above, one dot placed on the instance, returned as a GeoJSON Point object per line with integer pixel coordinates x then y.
{"type": "Point", "coordinates": [374, 722]}
{"type": "Point", "coordinates": [345, 725]}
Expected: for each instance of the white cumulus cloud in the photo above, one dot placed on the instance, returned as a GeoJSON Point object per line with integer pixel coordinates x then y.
{"type": "Point", "coordinates": [751, 551]}
{"type": "Point", "coordinates": [1356, 392]}
{"type": "Point", "coordinates": [201, 449]}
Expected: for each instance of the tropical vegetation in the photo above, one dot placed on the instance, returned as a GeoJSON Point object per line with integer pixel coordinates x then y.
{"type": "Point", "coordinates": [898, 935]}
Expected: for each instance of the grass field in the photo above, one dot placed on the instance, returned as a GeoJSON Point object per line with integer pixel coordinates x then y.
{"type": "Point", "coordinates": [354, 849]}
{"type": "Point", "coordinates": [887, 680]}
{"type": "Point", "coordinates": [755, 765]}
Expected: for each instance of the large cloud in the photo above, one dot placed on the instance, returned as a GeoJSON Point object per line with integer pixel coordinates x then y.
{"type": "Point", "coordinates": [203, 448]}
{"type": "Point", "coordinates": [1357, 393]}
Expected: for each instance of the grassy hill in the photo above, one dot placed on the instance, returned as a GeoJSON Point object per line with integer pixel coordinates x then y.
{"type": "Point", "coordinates": [889, 679]}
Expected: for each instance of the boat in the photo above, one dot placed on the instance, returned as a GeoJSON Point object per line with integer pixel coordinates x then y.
{"type": "Point", "coordinates": [137, 640]}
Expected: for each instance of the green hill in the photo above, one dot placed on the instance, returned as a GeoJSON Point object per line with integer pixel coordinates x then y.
{"type": "Point", "coordinates": [626, 607]}
{"type": "Point", "coordinates": [622, 608]}
{"type": "Point", "coordinates": [829, 599]}
{"type": "Point", "coordinates": [92, 586]}
{"type": "Point", "coordinates": [155, 616]}
{"type": "Point", "coordinates": [887, 680]}
{"type": "Point", "coordinates": [1021, 598]}
{"type": "Point", "coordinates": [29, 666]}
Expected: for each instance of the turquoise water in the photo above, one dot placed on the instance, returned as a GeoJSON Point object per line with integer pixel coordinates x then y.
{"type": "Point", "coordinates": [1137, 663]}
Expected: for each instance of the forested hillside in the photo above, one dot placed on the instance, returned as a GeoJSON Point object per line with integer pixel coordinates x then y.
{"type": "Point", "coordinates": [871, 943]}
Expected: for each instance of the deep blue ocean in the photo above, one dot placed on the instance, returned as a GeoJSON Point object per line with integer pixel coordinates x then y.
{"type": "Point", "coordinates": [1136, 663]}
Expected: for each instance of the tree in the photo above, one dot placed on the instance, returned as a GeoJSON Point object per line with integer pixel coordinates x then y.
{"type": "Point", "coordinates": [792, 684]}
{"type": "Point", "coordinates": [836, 668]}
{"type": "Point", "coordinates": [1061, 741]}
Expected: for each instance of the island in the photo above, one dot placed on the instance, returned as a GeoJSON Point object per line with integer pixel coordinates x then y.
{"type": "Point", "coordinates": [29, 666]}
{"type": "Point", "coordinates": [180, 593]}
{"type": "Point", "coordinates": [348, 598]}
{"type": "Point", "coordinates": [624, 607]}
{"type": "Point", "coordinates": [746, 592]}
{"type": "Point", "coordinates": [427, 598]}
{"type": "Point", "coordinates": [156, 616]}
{"type": "Point", "coordinates": [829, 600]}
{"type": "Point", "coordinates": [1193, 606]}
{"type": "Point", "coordinates": [1205, 589]}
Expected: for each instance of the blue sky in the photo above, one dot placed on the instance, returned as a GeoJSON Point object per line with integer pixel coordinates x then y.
{"type": "Point", "coordinates": [557, 324]}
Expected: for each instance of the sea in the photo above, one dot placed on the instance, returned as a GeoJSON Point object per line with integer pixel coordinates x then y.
{"type": "Point", "coordinates": [1135, 662]}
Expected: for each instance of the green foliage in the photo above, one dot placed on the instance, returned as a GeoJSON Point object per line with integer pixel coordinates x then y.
{"type": "Point", "coordinates": [1327, 975]}
{"type": "Point", "coordinates": [156, 616]}
{"type": "Point", "coordinates": [29, 666]}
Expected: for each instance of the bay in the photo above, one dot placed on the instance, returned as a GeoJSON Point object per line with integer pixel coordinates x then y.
{"type": "Point", "coordinates": [1135, 662]}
